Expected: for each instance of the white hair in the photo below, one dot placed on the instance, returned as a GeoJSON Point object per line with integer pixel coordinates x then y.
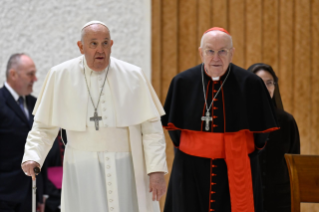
{"type": "Point", "coordinates": [202, 40]}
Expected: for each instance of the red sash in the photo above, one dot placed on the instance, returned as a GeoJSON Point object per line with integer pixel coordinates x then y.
{"type": "Point", "coordinates": [234, 149]}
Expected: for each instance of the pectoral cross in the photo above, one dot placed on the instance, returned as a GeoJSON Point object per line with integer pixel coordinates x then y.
{"type": "Point", "coordinates": [207, 119]}
{"type": "Point", "coordinates": [96, 119]}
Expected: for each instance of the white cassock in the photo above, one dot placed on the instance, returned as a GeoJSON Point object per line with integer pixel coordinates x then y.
{"type": "Point", "coordinates": [105, 170]}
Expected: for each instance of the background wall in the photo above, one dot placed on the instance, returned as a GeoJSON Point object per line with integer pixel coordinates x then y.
{"type": "Point", "coordinates": [282, 33]}
{"type": "Point", "coordinates": [48, 31]}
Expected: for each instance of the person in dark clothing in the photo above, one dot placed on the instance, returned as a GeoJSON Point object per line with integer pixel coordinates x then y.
{"type": "Point", "coordinates": [54, 161]}
{"type": "Point", "coordinates": [275, 176]}
{"type": "Point", "coordinates": [218, 116]}
{"type": "Point", "coordinates": [16, 119]}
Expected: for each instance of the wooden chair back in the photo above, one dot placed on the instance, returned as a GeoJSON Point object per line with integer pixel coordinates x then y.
{"type": "Point", "coordinates": [304, 179]}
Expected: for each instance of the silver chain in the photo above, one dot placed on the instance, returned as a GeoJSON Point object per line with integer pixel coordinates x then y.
{"type": "Point", "coordinates": [108, 68]}
{"type": "Point", "coordinates": [202, 72]}
{"type": "Point", "coordinates": [90, 93]}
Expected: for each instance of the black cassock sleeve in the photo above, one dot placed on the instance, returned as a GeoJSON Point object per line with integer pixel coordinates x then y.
{"type": "Point", "coordinates": [295, 139]}
{"type": "Point", "coordinates": [175, 136]}
{"type": "Point", "coordinates": [260, 139]}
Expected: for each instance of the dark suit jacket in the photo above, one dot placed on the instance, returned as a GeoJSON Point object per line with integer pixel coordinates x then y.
{"type": "Point", "coordinates": [15, 186]}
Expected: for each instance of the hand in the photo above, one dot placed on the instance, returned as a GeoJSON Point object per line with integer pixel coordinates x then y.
{"type": "Point", "coordinates": [41, 207]}
{"type": "Point", "coordinates": [157, 185]}
{"type": "Point", "coordinates": [28, 167]}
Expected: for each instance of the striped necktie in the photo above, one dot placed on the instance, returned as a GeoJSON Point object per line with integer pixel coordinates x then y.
{"type": "Point", "coordinates": [21, 104]}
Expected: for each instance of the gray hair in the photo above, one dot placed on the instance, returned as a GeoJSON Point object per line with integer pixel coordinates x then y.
{"type": "Point", "coordinates": [13, 62]}
{"type": "Point", "coordinates": [202, 40]}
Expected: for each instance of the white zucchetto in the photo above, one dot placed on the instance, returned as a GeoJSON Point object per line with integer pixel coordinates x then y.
{"type": "Point", "coordinates": [93, 22]}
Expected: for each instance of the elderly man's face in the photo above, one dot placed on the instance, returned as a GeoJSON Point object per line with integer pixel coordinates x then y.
{"type": "Point", "coordinates": [216, 53]}
{"type": "Point", "coordinates": [23, 76]}
{"type": "Point", "coordinates": [96, 46]}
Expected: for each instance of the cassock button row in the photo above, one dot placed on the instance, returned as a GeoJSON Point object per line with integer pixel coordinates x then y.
{"type": "Point", "coordinates": [103, 101]}
{"type": "Point", "coordinates": [104, 109]}
{"type": "Point", "coordinates": [112, 209]}
{"type": "Point", "coordinates": [107, 167]}
{"type": "Point", "coordinates": [111, 200]}
{"type": "Point", "coordinates": [109, 183]}
{"type": "Point", "coordinates": [107, 158]}
{"type": "Point", "coordinates": [105, 117]}
{"type": "Point", "coordinates": [109, 175]}
{"type": "Point", "coordinates": [110, 192]}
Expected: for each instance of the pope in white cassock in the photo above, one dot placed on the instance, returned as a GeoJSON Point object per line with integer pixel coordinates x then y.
{"type": "Point", "coordinates": [115, 157]}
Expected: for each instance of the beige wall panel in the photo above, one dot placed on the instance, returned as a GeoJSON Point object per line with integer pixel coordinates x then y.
{"type": "Point", "coordinates": [301, 86]}
{"type": "Point", "coordinates": [315, 78]}
{"type": "Point", "coordinates": [309, 207]}
{"type": "Point", "coordinates": [315, 86]}
{"type": "Point", "coordinates": [220, 14]}
{"type": "Point", "coordinates": [169, 64]}
{"type": "Point", "coordinates": [237, 30]}
{"type": "Point", "coordinates": [156, 45]}
{"type": "Point", "coordinates": [286, 53]}
{"type": "Point", "coordinates": [270, 38]}
{"type": "Point", "coordinates": [187, 29]}
{"type": "Point", "coordinates": [253, 28]}
{"type": "Point", "coordinates": [169, 44]}
{"type": "Point", "coordinates": [204, 21]}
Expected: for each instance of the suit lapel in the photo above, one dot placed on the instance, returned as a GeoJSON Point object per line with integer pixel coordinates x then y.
{"type": "Point", "coordinates": [14, 106]}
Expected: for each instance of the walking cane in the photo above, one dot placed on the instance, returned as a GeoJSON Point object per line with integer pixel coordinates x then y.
{"type": "Point", "coordinates": [34, 190]}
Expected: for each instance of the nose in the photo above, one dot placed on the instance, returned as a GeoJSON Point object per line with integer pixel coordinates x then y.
{"type": "Point", "coordinates": [216, 57]}
{"type": "Point", "coordinates": [35, 78]}
{"type": "Point", "coordinates": [100, 49]}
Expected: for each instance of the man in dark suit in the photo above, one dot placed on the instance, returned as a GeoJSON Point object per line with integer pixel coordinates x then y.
{"type": "Point", "coordinates": [16, 119]}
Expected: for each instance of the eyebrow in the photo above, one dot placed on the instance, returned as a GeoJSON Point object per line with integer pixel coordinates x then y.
{"type": "Point", "coordinates": [208, 46]}
{"type": "Point", "coordinates": [96, 39]}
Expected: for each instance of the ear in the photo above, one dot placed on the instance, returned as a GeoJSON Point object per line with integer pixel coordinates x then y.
{"type": "Point", "coordinates": [111, 44]}
{"type": "Point", "coordinates": [232, 53]}
{"type": "Point", "coordinates": [12, 73]}
{"type": "Point", "coordinates": [80, 45]}
{"type": "Point", "coordinates": [233, 50]}
{"type": "Point", "coordinates": [201, 53]}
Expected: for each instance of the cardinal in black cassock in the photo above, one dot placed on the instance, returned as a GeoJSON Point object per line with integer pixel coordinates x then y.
{"type": "Point", "coordinates": [218, 116]}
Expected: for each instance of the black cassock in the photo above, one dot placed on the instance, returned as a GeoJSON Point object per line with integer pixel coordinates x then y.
{"type": "Point", "coordinates": [275, 176]}
{"type": "Point", "coordinates": [242, 104]}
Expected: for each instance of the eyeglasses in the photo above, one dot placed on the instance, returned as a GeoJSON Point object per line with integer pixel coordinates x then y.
{"type": "Point", "coordinates": [270, 83]}
{"type": "Point", "coordinates": [220, 53]}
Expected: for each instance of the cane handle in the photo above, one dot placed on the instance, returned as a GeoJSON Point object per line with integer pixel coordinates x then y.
{"type": "Point", "coordinates": [36, 170]}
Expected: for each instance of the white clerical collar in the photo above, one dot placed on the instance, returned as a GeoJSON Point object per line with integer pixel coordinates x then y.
{"type": "Point", "coordinates": [215, 78]}
{"type": "Point", "coordinates": [12, 91]}
{"type": "Point", "coordinates": [89, 71]}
